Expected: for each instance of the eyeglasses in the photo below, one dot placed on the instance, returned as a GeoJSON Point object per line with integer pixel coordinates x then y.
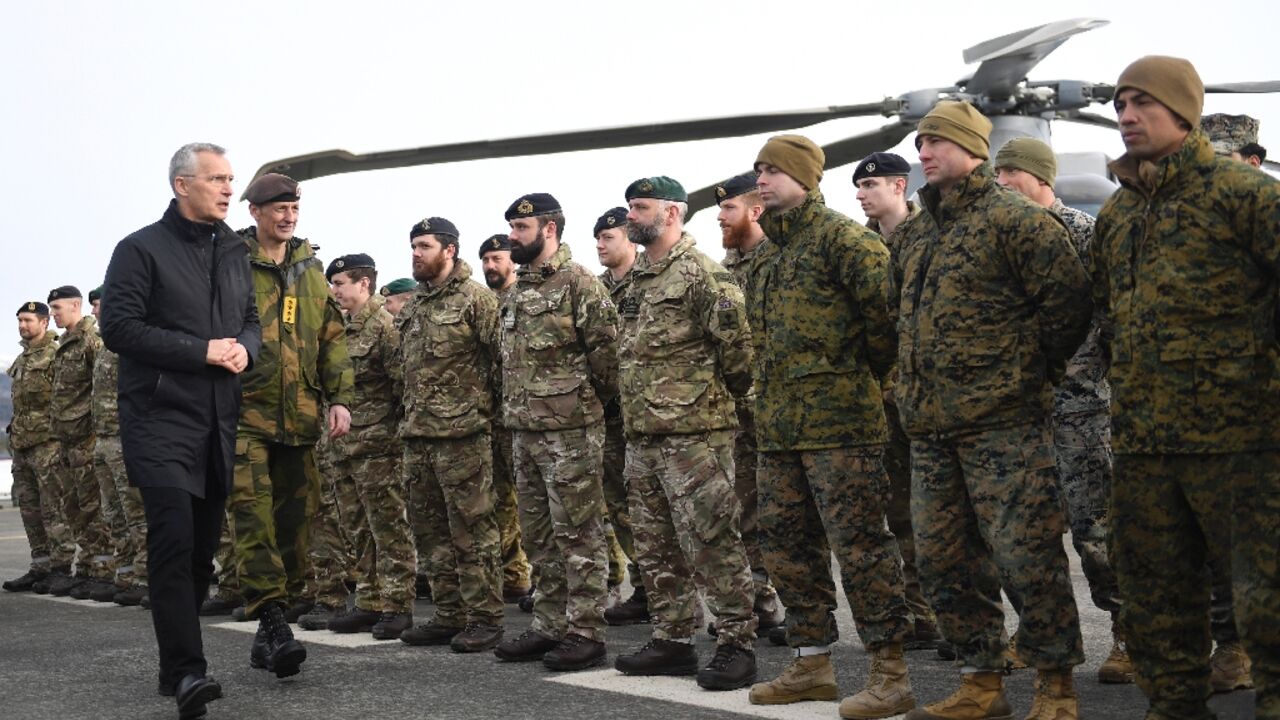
{"type": "Point", "coordinates": [215, 179]}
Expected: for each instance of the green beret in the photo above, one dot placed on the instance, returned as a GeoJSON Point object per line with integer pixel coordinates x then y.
{"type": "Point", "coordinates": [95, 294]}
{"type": "Point", "coordinates": [658, 188]}
{"type": "Point", "coordinates": [395, 287]}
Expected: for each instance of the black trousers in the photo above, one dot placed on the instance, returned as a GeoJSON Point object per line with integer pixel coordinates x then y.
{"type": "Point", "coordinates": [182, 536]}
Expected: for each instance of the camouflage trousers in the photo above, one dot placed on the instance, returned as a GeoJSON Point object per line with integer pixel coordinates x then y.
{"type": "Point", "coordinates": [82, 507]}
{"type": "Point", "coordinates": [515, 564]}
{"type": "Point", "coordinates": [987, 512]}
{"type": "Point", "coordinates": [274, 493]}
{"type": "Point", "coordinates": [745, 461]}
{"type": "Point", "coordinates": [817, 502]}
{"type": "Point", "coordinates": [227, 576]}
{"type": "Point", "coordinates": [372, 503]}
{"type": "Point", "coordinates": [35, 478]}
{"type": "Point", "coordinates": [620, 536]}
{"type": "Point", "coordinates": [561, 514]}
{"type": "Point", "coordinates": [1082, 447]}
{"type": "Point", "coordinates": [1172, 514]}
{"type": "Point", "coordinates": [122, 512]}
{"type": "Point", "coordinates": [686, 524]}
{"type": "Point", "coordinates": [330, 550]}
{"type": "Point", "coordinates": [897, 463]}
{"type": "Point", "coordinates": [451, 503]}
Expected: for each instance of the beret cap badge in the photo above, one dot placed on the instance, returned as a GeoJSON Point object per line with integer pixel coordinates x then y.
{"type": "Point", "coordinates": [524, 207]}
{"type": "Point", "coordinates": [871, 167]}
{"type": "Point", "coordinates": [721, 192]}
{"type": "Point", "coordinates": [31, 306]}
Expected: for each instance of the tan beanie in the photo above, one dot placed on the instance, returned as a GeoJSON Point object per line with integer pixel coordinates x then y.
{"type": "Point", "coordinates": [795, 155]}
{"type": "Point", "coordinates": [960, 123]}
{"type": "Point", "coordinates": [1173, 81]}
{"type": "Point", "coordinates": [1029, 155]}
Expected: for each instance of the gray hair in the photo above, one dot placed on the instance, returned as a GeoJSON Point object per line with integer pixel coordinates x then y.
{"type": "Point", "coordinates": [184, 161]}
{"type": "Point", "coordinates": [681, 207]}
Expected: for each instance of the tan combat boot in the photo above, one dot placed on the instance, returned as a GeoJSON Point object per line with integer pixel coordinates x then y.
{"type": "Point", "coordinates": [1055, 697]}
{"type": "Point", "coordinates": [1117, 669]}
{"type": "Point", "coordinates": [809, 677]}
{"type": "Point", "coordinates": [980, 697]}
{"type": "Point", "coordinates": [1012, 660]}
{"type": "Point", "coordinates": [1230, 668]}
{"type": "Point", "coordinates": [888, 690]}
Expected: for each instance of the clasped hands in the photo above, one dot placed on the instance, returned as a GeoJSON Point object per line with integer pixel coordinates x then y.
{"type": "Point", "coordinates": [227, 353]}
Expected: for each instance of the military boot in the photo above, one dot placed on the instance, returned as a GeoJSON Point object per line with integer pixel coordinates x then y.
{"type": "Point", "coordinates": [1117, 668]}
{"type": "Point", "coordinates": [732, 667]}
{"type": "Point", "coordinates": [778, 635]}
{"type": "Point", "coordinates": [131, 596]}
{"type": "Point", "coordinates": [220, 603]}
{"type": "Point", "coordinates": [104, 591]}
{"type": "Point", "coordinates": [768, 611]}
{"type": "Point", "coordinates": [979, 697]}
{"type": "Point", "coordinates": [808, 677]}
{"type": "Point", "coordinates": [298, 609]}
{"type": "Point", "coordinates": [24, 582]}
{"type": "Point", "coordinates": [634, 610]}
{"type": "Point", "coordinates": [945, 651]}
{"type": "Point", "coordinates": [574, 652]}
{"type": "Point", "coordinates": [41, 586]}
{"type": "Point", "coordinates": [476, 637]}
{"type": "Point", "coordinates": [62, 585]}
{"type": "Point", "coordinates": [432, 633]}
{"type": "Point", "coordinates": [1012, 659]}
{"type": "Point", "coordinates": [1055, 697]}
{"type": "Point", "coordinates": [356, 620]}
{"type": "Point", "coordinates": [529, 645]}
{"type": "Point", "coordinates": [888, 690]}
{"type": "Point", "coordinates": [1230, 668]}
{"type": "Point", "coordinates": [274, 648]}
{"type": "Point", "coordinates": [82, 590]}
{"type": "Point", "coordinates": [391, 625]}
{"type": "Point", "coordinates": [660, 657]}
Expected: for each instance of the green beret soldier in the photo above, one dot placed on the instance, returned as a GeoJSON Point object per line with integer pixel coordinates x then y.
{"type": "Point", "coordinates": [397, 292]}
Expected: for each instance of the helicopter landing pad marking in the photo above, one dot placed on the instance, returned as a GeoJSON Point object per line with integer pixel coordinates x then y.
{"type": "Point", "coordinates": [319, 637]}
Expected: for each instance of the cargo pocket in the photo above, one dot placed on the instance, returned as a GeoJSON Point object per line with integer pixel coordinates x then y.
{"type": "Point", "coordinates": [705, 503]}
{"type": "Point", "coordinates": [466, 485]}
{"type": "Point", "coordinates": [555, 398]}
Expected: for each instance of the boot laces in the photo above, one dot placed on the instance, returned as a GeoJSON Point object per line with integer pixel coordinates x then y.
{"type": "Point", "coordinates": [725, 654]}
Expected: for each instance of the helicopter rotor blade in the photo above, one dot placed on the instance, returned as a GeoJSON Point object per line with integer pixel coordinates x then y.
{"type": "Point", "coordinates": [333, 162]}
{"type": "Point", "coordinates": [1266, 86]}
{"type": "Point", "coordinates": [1091, 119]}
{"type": "Point", "coordinates": [1006, 60]}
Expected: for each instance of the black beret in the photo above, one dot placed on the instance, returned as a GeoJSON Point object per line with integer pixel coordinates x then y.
{"type": "Point", "coordinates": [494, 244]}
{"type": "Point", "coordinates": [32, 306]}
{"type": "Point", "coordinates": [532, 205]}
{"type": "Point", "coordinates": [613, 218]}
{"type": "Point", "coordinates": [735, 186]}
{"type": "Point", "coordinates": [95, 294]}
{"type": "Point", "coordinates": [433, 226]}
{"type": "Point", "coordinates": [395, 287]}
{"type": "Point", "coordinates": [64, 292]}
{"type": "Point", "coordinates": [660, 187]}
{"type": "Point", "coordinates": [348, 262]}
{"type": "Point", "coordinates": [273, 187]}
{"type": "Point", "coordinates": [881, 164]}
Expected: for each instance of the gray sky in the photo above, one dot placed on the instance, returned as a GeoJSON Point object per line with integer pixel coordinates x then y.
{"type": "Point", "coordinates": [99, 95]}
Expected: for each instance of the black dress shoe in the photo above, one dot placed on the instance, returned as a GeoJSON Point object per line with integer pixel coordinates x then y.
{"type": "Point", "coordinates": [192, 693]}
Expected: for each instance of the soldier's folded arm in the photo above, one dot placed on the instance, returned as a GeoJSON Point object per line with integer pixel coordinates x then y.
{"type": "Point", "coordinates": [596, 320]}
{"type": "Point", "coordinates": [722, 309]}
{"type": "Point", "coordinates": [864, 263]}
{"type": "Point", "coordinates": [123, 325]}
{"type": "Point", "coordinates": [1040, 252]}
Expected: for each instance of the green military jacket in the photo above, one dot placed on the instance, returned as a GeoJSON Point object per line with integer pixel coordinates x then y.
{"type": "Point", "coordinates": [449, 342]}
{"type": "Point", "coordinates": [822, 329]}
{"type": "Point", "coordinates": [72, 400]}
{"type": "Point", "coordinates": [687, 349]}
{"type": "Point", "coordinates": [559, 347]}
{"type": "Point", "coordinates": [106, 392]}
{"type": "Point", "coordinates": [1083, 388]}
{"type": "Point", "coordinates": [618, 290]}
{"type": "Point", "coordinates": [303, 364]}
{"type": "Point", "coordinates": [372, 344]}
{"type": "Point", "coordinates": [888, 383]}
{"type": "Point", "coordinates": [32, 392]}
{"type": "Point", "coordinates": [1185, 262]}
{"type": "Point", "coordinates": [990, 294]}
{"type": "Point", "coordinates": [746, 267]}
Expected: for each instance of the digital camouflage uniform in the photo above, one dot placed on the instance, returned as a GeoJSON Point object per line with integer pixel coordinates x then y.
{"type": "Point", "coordinates": [685, 353]}
{"type": "Point", "coordinates": [991, 295]}
{"type": "Point", "coordinates": [516, 572]}
{"type": "Point", "coordinates": [302, 366]}
{"type": "Point", "coordinates": [72, 404]}
{"type": "Point", "coordinates": [745, 267]}
{"type": "Point", "coordinates": [823, 339]}
{"type": "Point", "coordinates": [559, 362]}
{"type": "Point", "coordinates": [622, 544]}
{"type": "Point", "coordinates": [36, 456]}
{"type": "Point", "coordinates": [1186, 259]}
{"type": "Point", "coordinates": [330, 551]}
{"type": "Point", "coordinates": [449, 342]}
{"type": "Point", "coordinates": [372, 499]}
{"type": "Point", "coordinates": [122, 510]}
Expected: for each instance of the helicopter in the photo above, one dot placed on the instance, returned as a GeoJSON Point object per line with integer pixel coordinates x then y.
{"type": "Point", "coordinates": [998, 87]}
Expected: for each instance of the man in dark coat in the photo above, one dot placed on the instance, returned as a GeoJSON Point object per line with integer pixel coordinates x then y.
{"type": "Point", "coordinates": [182, 317]}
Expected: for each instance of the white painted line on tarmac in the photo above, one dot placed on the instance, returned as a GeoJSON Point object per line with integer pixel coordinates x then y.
{"type": "Point", "coordinates": [319, 637]}
{"type": "Point", "coordinates": [685, 691]}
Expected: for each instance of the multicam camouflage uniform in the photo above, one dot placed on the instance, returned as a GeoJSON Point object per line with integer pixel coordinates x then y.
{"type": "Point", "coordinates": [559, 363]}
{"type": "Point", "coordinates": [823, 338]}
{"type": "Point", "coordinates": [444, 370]}
{"type": "Point", "coordinates": [302, 365]}
{"type": "Point", "coordinates": [122, 510]}
{"type": "Point", "coordinates": [991, 294]}
{"type": "Point", "coordinates": [71, 405]}
{"type": "Point", "coordinates": [685, 354]}
{"type": "Point", "coordinates": [36, 456]}
{"type": "Point", "coordinates": [330, 553]}
{"type": "Point", "coordinates": [622, 543]}
{"type": "Point", "coordinates": [516, 572]}
{"type": "Point", "coordinates": [1186, 259]}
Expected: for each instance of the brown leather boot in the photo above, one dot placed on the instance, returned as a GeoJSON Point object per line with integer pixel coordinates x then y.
{"type": "Point", "coordinates": [809, 677]}
{"type": "Point", "coordinates": [1230, 668]}
{"type": "Point", "coordinates": [1117, 669]}
{"type": "Point", "coordinates": [979, 697]}
{"type": "Point", "coordinates": [888, 690]}
{"type": "Point", "coordinates": [1055, 697]}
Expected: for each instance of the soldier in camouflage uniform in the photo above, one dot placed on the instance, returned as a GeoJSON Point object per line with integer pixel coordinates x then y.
{"type": "Point", "coordinates": [396, 293]}
{"type": "Point", "coordinates": [684, 356]}
{"type": "Point", "coordinates": [303, 365]}
{"type": "Point", "coordinates": [71, 405]}
{"type": "Point", "coordinates": [747, 250]}
{"type": "Point", "coordinates": [449, 345]}
{"type": "Point", "coordinates": [121, 504]}
{"type": "Point", "coordinates": [824, 342]}
{"type": "Point", "coordinates": [330, 552]}
{"type": "Point", "coordinates": [35, 453]}
{"type": "Point", "coordinates": [1186, 260]}
{"type": "Point", "coordinates": [500, 276]}
{"type": "Point", "coordinates": [559, 364]}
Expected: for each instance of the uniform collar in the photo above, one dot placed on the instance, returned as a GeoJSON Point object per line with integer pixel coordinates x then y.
{"type": "Point", "coordinates": [779, 226]}
{"type": "Point", "coordinates": [1148, 177]}
{"type": "Point", "coordinates": [644, 267]}
{"type": "Point", "coordinates": [549, 267]}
